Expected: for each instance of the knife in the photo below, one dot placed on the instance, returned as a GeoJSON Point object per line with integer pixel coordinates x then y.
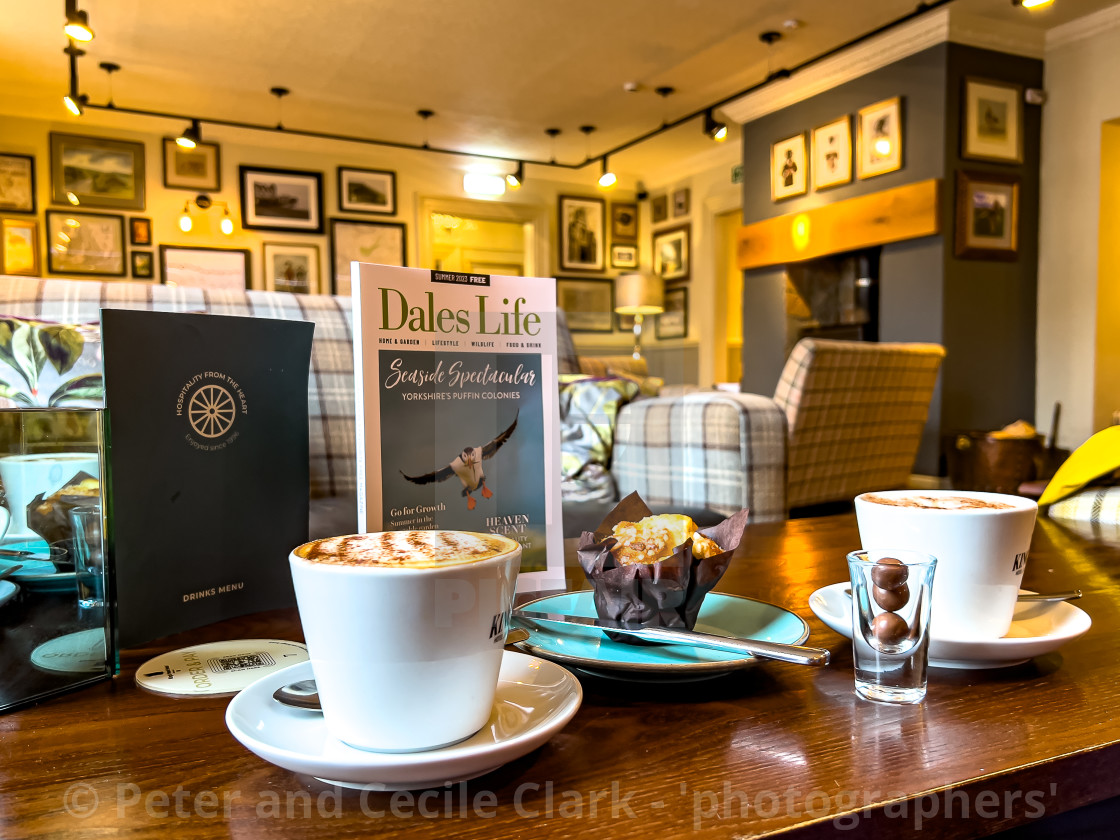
{"type": "Point", "coordinates": [669, 636]}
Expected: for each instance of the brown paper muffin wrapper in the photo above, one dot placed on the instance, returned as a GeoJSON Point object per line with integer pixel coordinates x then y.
{"type": "Point", "coordinates": [667, 593]}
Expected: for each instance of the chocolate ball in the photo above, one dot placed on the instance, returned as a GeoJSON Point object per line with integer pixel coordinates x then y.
{"type": "Point", "coordinates": [889, 629]}
{"type": "Point", "coordinates": [889, 573]}
{"type": "Point", "coordinates": [891, 599]}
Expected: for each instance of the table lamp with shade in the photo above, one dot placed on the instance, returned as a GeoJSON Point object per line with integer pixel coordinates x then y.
{"type": "Point", "coordinates": [639, 294]}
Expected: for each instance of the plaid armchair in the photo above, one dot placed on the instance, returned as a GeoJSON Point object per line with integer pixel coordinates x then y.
{"type": "Point", "coordinates": [847, 417]}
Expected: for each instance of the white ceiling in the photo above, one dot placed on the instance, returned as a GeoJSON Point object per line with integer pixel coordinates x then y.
{"type": "Point", "coordinates": [496, 72]}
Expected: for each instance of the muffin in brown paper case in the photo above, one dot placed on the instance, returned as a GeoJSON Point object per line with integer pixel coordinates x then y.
{"type": "Point", "coordinates": [667, 593]}
{"type": "Point", "coordinates": [50, 517]}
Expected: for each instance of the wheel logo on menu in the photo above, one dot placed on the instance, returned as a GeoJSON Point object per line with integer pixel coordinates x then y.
{"type": "Point", "coordinates": [211, 411]}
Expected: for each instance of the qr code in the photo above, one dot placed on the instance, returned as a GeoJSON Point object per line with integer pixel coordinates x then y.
{"type": "Point", "coordinates": [242, 662]}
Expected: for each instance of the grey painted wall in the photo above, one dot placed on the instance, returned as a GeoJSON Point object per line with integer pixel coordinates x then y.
{"type": "Point", "coordinates": [983, 312]}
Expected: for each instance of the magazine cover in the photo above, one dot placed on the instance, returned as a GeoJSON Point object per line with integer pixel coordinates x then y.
{"type": "Point", "coordinates": [457, 418]}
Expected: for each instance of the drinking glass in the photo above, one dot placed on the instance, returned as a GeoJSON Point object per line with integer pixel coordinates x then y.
{"type": "Point", "coordinates": [89, 554]}
{"type": "Point", "coordinates": [891, 592]}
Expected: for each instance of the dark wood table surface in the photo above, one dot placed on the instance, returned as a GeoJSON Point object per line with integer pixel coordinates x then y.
{"type": "Point", "coordinates": [775, 749]}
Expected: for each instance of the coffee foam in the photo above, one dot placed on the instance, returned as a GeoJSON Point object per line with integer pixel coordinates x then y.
{"type": "Point", "coordinates": [406, 549]}
{"type": "Point", "coordinates": [938, 502]}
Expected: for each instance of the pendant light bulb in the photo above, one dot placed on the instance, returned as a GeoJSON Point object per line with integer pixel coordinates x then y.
{"type": "Point", "coordinates": [185, 223]}
{"type": "Point", "coordinates": [227, 224]}
{"type": "Point", "coordinates": [73, 104]}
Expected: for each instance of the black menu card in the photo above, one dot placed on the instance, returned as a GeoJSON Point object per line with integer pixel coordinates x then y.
{"type": "Point", "coordinates": [207, 456]}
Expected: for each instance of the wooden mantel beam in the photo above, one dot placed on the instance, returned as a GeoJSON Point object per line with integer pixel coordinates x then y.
{"type": "Point", "coordinates": [905, 212]}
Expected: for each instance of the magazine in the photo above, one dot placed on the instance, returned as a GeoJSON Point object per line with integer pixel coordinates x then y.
{"type": "Point", "coordinates": [457, 417]}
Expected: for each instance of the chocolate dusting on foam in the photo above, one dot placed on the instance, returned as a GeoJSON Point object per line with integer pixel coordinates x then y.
{"type": "Point", "coordinates": [667, 593]}
{"type": "Point", "coordinates": [406, 549]}
{"type": "Point", "coordinates": [938, 502]}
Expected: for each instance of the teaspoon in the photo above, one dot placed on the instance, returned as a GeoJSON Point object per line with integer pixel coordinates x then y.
{"type": "Point", "coordinates": [1036, 597]}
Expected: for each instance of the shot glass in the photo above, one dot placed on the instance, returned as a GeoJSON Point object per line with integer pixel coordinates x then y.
{"type": "Point", "coordinates": [89, 564]}
{"type": "Point", "coordinates": [891, 592]}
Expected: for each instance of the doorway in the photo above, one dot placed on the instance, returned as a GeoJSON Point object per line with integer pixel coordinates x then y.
{"type": "Point", "coordinates": [482, 237]}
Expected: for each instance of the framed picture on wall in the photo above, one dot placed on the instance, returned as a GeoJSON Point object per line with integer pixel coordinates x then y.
{"type": "Point", "coordinates": [367, 191]}
{"type": "Point", "coordinates": [624, 221]}
{"type": "Point", "coordinates": [879, 138]}
{"type": "Point", "coordinates": [588, 304]}
{"type": "Point", "coordinates": [987, 216]}
{"type": "Point", "coordinates": [139, 231]}
{"type": "Point", "coordinates": [658, 208]}
{"type": "Point", "coordinates": [832, 153]}
{"type": "Point", "coordinates": [281, 199]}
{"type": "Point", "coordinates": [204, 268]}
{"type": "Point", "coordinates": [85, 243]}
{"type": "Point", "coordinates": [582, 231]}
{"type": "Point", "coordinates": [671, 258]}
{"type": "Point", "coordinates": [681, 202]}
{"type": "Point", "coordinates": [17, 183]}
{"type": "Point", "coordinates": [624, 256]}
{"type": "Point", "coordinates": [993, 121]}
{"type": "Point", "coordinates": [673, 322]}
{"type": "Point", "coordinates": [788, 168]}
{"type": "Point", "coordinates": [372, 242]}
{"type": "Point", "coordinates": [19, 246]}
{"type": "Point", "coordinates": [143, 266]}
{"type": "Point", "coordinates": [291, 267]}
{"type": "Point", "coordinates": [199, 168]}
{"type": "Point", "coordinates": [97, 172]}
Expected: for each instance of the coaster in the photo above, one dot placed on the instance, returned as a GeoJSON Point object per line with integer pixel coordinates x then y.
{"type": "Point", "coordinates": [75, 653]}
{"type": "Point", "coordinates": [218, 668]}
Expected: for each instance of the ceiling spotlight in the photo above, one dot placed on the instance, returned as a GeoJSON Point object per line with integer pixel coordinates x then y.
{"type": "Point", "coordinates": [74, 103]}
{"type": "Point", "coordinates": [516, 178]}
{"type": "Point", "coordinates": [191, 136]}
{"type": "Point", "coordinates": [1031, 4]}
{"type": "Point", "coordinates": [713, 128]}
{"type": "Point", "coordinates": [608, 179]}
{"type": "Point", "coordinates": [77, 23]}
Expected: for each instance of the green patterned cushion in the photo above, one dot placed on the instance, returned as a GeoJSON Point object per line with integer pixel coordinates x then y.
{"type": "Point", "coordinates": [588, 410]}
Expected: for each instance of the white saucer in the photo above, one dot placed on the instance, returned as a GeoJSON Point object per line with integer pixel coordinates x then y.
{"type": "Point", "coordinates": [1037, 628]}
{"type": "Point", "coordinates": [536, 699]}
{"type": "Point", "coordinates": [8, 591]}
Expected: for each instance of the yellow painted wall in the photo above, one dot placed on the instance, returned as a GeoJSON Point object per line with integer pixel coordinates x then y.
{"type": "Point", "coordinates": [1106, 373]}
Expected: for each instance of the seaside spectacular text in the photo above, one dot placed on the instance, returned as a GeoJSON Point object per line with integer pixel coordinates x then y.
{"type": "Point", "coordinates": [397, 313]}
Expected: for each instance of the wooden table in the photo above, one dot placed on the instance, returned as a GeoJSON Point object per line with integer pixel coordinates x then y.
{"type": "Point", "coordinates": [773, 749]}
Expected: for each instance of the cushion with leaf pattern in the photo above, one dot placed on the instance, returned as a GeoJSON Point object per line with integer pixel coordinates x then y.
{"type": "Point", "coordinates": [49, 364]}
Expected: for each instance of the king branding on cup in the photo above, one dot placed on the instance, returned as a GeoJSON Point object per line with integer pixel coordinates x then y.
{"type": "Point", "coordinates": [406, 630]}
{"type": "Point", "coordinates": [981, 542]}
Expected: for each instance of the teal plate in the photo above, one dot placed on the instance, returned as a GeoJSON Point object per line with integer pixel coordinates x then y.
{"type": "Point", "coordinates": [37, 575]}
{"type": "Point", "coordinates": [588, 649]}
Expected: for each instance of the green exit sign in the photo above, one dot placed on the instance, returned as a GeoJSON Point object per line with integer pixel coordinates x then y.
{"type": "Point", "coordinates": [737, 174]}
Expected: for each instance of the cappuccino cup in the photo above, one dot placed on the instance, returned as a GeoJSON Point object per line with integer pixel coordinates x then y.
{"type": "Point", "coordinates": [981, 542]}
{"type": "Point", "coordinates": [406, 631]}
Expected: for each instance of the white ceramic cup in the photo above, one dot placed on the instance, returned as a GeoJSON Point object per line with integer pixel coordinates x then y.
{"type": "Point", "coordinates": [981, 552]}
{"type": "Point", "coordinates": [26, 476]}
{"type": "Point", "coordinates": [5, 518]}
{"type": "Point", "coordinates": [405, 658]}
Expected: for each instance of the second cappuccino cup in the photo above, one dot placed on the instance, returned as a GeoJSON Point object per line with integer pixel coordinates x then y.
{"type": "Point", "coordinates": [406, 631]}
{"type": "Point", "coordinates": [981, 542]}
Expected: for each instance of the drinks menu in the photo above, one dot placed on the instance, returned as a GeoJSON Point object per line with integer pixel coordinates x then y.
{"type": "Point", "coordinates": [457, 417]}
{"type": "Point", "coordinates": [208, 466]}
